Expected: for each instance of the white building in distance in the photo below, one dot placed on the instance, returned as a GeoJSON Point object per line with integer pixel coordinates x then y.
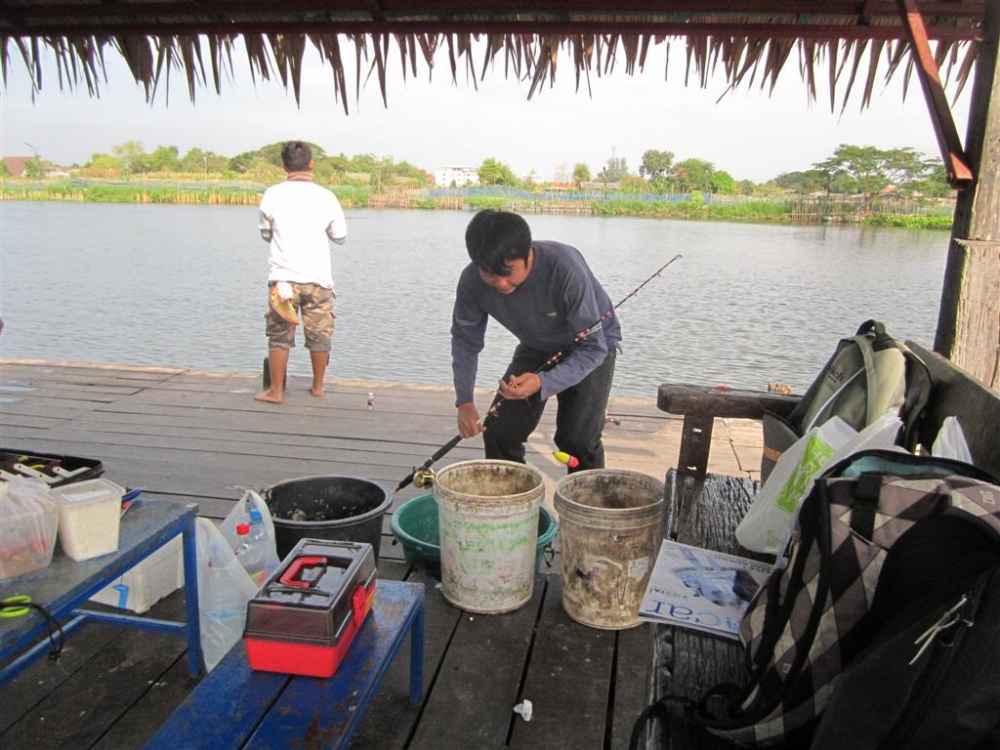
{"type": "Point", "coordinates": [456, 176]}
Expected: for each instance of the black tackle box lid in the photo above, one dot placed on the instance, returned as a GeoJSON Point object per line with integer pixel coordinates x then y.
{"type": "Point", "coordinates": [56, 469]}
{"type": "Point", "coordinates": [312, 594]}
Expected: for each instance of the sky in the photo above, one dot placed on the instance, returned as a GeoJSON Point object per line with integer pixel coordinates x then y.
{"type": "Point", "coordinates": [438, 123]}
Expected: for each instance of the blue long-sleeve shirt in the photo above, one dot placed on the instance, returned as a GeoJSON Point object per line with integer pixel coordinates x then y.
{"type": "Point", "coordinates": [560, 299]}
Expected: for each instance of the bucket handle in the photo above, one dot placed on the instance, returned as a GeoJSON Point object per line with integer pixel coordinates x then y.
{"type": "Point", "coordinates": [549, 554]}
{"type": "Point", "coordinates": [288, 578]}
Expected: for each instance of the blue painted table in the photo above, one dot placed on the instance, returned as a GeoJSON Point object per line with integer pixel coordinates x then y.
{"type": "Point", "coordinates": [66, 584]}
{"type": "Point", "coordinates": [236, 707]}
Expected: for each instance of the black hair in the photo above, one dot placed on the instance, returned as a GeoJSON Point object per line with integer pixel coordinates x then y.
{"type": "Point", "coordinates": [296, 155]}
{"type": "Point", "coordinates": [494, 238]}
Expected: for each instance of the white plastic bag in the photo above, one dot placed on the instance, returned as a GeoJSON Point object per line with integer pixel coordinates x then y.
{"type": "Point", "coordinates": [950, 442]}
{"type": "Point", "coordinates": [239, 513]}
{"type": "Point", "coordinates": [224, 589]}
{"type": "Point", "coordinates": [769, 521]}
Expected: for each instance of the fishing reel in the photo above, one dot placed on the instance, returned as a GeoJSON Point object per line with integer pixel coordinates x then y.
{"type": "Point", "coordinates": [423, 478]}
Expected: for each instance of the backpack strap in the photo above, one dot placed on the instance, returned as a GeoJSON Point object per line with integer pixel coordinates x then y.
{"type": "Point", "coordinates": [866, 493]}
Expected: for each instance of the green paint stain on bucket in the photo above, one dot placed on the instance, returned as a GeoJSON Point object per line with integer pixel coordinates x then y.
{"type": "Point", "coordinates": [488, 538]}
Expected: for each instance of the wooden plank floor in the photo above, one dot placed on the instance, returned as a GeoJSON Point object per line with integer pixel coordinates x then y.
{"type": "Point", "coordinates": [200, 437]}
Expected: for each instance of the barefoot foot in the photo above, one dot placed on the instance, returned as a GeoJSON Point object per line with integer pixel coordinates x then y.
{"type": "Point", "coordinates": [317, 391]}
{"type": "Point", "coordinates": [268, 397]}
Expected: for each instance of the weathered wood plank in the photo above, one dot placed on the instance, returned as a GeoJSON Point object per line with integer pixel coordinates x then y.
{"type": "Point", "coordinates": [197, 439]}
{"type": "Point", "coordinates": [633, 681]}
{"type": "Point", "coordinates": [476, 686]}
{"type": "Point", "coordinates": [978, 409]}
{"type": "Point", "coordinates": [391, 719]}
{"type": "Point", "coordinates": [82, 708]}
{"type": "Point", "coordinates": [568, 681]}
{"type": "Point", "coordinates": [688, 663]}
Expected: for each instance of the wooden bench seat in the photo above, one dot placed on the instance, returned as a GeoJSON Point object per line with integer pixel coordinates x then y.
{"type": "Point", "coordinates": [236, 707]}
{"type": "Point", "coordinates": [704, 509]}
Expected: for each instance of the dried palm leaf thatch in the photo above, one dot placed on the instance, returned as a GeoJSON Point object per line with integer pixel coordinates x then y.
{"type": "Point", "coordinates": [207, 60]}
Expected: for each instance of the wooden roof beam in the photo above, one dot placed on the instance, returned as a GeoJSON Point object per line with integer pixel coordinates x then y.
{"type": "Point", "coordinates": [850, 11]}
{"type": "Point", "coordinates": [956, 163]}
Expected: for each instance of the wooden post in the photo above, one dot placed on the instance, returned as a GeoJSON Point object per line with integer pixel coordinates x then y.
{"type": "Point", "coordinates": [968, 331]}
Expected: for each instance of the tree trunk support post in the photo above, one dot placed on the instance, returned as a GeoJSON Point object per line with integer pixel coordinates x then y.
{"type": "Point", "coordinates": [968, 331]}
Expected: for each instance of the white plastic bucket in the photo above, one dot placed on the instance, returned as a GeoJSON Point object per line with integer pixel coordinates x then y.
{"type": "Point", "coordinates": [488, 520]}
{"type": "Point", "coordinates": [610, 527]}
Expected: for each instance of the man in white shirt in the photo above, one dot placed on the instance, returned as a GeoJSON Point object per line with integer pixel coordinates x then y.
{"type": "Point", "coordinates": [297, 218]}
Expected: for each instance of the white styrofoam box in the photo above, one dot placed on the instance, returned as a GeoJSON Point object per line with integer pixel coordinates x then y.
{"type": "Point", "coordinates": [142, 586]}
{"type": "Point", "coordinates": [90, 515]}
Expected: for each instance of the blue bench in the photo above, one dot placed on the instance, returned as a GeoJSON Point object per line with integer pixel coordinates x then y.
{"type": "Point", "coordinates": [236, 707]}
{"type": "Point", "coordinates": [65, 585]}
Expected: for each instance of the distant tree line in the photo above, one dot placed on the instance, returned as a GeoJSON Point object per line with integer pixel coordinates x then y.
{"type": "Point", "coordinates": [851, 170]}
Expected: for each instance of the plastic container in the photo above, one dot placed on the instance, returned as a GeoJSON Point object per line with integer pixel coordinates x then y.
{"type": "Point", "coordinates": [29, 523]}
{"type": "Point", "coordinates": [327, 507]}
{"type": "Point", "coordinates": [415, 524]}
{"type": "Point", "coordinates": [488, 521]}
{"type": "Point", "coordinates": [148, 581]}
{"type": "Point", "coordinates": [306, 616]}
{"type": "Point", "coordinates": [610, 528]}
{"type": "Point", "coordinates": [89, 517]}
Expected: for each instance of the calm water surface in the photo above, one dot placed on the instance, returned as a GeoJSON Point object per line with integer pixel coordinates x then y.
{"type": "Point", "coordinates": [186, 286]}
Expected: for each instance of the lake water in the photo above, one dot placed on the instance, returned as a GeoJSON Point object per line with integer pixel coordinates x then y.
{"type": "Point", "coordinates": [184, 286]}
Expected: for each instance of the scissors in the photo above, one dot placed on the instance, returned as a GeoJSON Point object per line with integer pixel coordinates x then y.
{"type": "Point", "coordinates": [15, 606]}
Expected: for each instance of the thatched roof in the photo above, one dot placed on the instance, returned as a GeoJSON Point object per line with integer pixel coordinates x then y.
{"type": "Point", "coordinates": [751, 41]}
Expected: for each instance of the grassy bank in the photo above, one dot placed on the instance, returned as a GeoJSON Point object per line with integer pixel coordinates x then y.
{"type": "Point", "coordinates": [693, 207]}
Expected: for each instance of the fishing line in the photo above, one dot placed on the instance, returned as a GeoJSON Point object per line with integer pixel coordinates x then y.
{"type": "Point", "coordinates": [423, 473]}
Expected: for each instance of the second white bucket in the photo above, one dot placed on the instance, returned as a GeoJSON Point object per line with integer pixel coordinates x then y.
{"type": "Point", "coordinates": [610, 527]}
{"type": "Point", "coordinates": [488, 519]}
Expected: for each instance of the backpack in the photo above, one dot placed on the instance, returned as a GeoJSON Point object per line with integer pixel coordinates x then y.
{"type": "Point", "coordinates": [928, 677]}
{"type": "Point", "coordinates": [821, 607]}
{"type": "Point", "coordinates": [867, 375]}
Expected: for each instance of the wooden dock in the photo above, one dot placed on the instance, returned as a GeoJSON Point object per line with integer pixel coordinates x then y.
{"type": "Point", "coordinates": [200, 437]}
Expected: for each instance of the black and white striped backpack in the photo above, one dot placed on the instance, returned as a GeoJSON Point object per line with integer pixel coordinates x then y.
{"type": "Point", "coordinates": [815, 615]}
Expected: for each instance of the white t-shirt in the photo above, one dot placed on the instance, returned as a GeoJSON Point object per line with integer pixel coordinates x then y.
{"type": "Point", "coordinates": [300, 215]}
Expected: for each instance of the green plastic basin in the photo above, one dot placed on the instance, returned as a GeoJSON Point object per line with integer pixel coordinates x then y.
{"type": "Point", "coordinates": [415, 525]}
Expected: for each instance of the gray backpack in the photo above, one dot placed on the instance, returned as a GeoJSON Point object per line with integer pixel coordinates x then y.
{"type": "Point", "coordinates": [868, 374]}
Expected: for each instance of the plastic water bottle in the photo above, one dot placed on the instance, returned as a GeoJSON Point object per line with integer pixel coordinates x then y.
{"type": "Point", "coordinates": [259, 536]}
{"type": "Point", "coordinates": [252, 552]}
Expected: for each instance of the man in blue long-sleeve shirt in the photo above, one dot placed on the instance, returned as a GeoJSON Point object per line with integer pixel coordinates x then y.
{"type": "Point", "coordinates": [547, 296]}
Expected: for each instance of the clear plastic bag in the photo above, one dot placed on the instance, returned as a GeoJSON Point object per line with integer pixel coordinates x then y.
{"type": "Point", "coordinates": [950, 442]}
{"type": "Point", "coordinates": [224, 589]}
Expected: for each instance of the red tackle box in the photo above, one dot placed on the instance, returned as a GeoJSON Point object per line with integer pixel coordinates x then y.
{"type": "Point", "coordinates": [307, 613]}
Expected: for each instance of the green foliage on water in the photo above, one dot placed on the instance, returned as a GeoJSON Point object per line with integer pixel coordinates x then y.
{"type": "Point", "coordinates": [923, 221]}
{"type": "Point", "coordinates": [689, 207]}
{"type": "Point", "coordinates": [352, 196]}
{"type": "Point", "coordinates": [482, 202]}
{"type": "Point", "coordinates": [131, 192]}
{"type": "Point", "coordinates": [695, 208]}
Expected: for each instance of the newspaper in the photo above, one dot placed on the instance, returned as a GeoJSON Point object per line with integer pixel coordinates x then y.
{"type": "Point", "coordinates": [700, 589]}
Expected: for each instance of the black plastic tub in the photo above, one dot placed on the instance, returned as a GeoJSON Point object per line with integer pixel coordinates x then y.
{"type": "Point", "coordinates": [346, 509]}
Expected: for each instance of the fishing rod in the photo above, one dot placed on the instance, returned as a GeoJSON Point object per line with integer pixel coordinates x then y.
{"type": "Point", "coordinates": [424, 475]}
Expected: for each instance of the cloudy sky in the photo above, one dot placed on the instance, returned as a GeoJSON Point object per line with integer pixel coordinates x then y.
{"type": "Point", "coordinates": [438, 123]}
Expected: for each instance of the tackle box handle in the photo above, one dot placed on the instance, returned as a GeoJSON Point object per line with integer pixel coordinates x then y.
{"type": "Point", "coordinates": [288, 578]}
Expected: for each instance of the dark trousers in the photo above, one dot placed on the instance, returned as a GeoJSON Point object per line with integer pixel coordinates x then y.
{"type": "Point", "coordinates": [579, 420]}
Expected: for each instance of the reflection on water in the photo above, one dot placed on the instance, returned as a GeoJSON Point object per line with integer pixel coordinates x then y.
{"type": "Point", "coordinates": [184, 286]}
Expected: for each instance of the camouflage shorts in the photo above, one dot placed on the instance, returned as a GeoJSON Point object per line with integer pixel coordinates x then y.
{"type": "Point", "coordinates": [315, 306]}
